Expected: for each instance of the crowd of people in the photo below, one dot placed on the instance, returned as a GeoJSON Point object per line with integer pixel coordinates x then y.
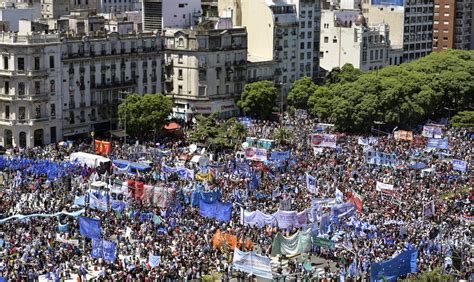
{"type": "Point", "coordinates": [36, 246]}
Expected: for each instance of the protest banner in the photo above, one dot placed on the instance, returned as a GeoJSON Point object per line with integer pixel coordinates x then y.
{"type": "Point", "coordinates": [383, 186]}
{"type": "Point", "coordinates": [438, 143]}
{"type": "Point", "coordinates": [280, 156]}
{"type": "Point", "coordinates": [324, 140]}
{"type": "Point", "coordinates": [431, 131]}
{"type": "Point", "coordinates": [298, 243]}
{"type": "Point", "coordinates": [89, 227]}
{"type": "Point", "coordinates": [218, 210]}
{"type": "Point", "coordinates": [459, 165]}
{"type": "Point", "coordinates": [380, 158]}
{"type": "Point", "coordinates": [310, 183]}
{"type": "Point", "coordinates": [153, 261]}
{"type": "Point", "coordinates": [324, 243]}
{"type": "Point", "coordinates": [403, 135]}
{"type": "Point", "coordinates": [102, 147]}
{"type": "Point", "coordinates": [252, 263]}
{"type": "Point", "coordinates": [256, 154]}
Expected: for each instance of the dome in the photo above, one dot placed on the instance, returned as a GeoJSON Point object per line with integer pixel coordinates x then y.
{"type": "Point", "coordinates": [360, 20]}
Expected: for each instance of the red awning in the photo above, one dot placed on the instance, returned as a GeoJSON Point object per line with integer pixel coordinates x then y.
{"type": "Point", "coordinates": [172, 126]}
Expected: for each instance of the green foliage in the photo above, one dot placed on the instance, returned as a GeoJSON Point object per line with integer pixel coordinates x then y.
{"type": "Point", "coordinates": [144, 113]}
{"type": "Point", "coordinates": [463, 119]}
{"type": "Point", "coordinates": [300, 92]}
{"type": "Point", "coordinates": [217, 135]}
{"type": "Point", "coordinates": [282, 136]}
{"type": "Point", "coordinates": [402, 96]}
{"type": "Point", "coordinates": [259, 99]}
{"type": "Point", "coordinates": [433, 276]}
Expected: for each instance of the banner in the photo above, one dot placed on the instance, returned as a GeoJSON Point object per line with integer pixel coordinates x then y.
{"type": "Point", "coordinates": [102, 147]}
{"type": "Point", "coordinates": [97, 203]}
{"type": "Point", "coordinates": [324, 140]}
{"type": "Point", "coordinates": [218, 210]}
{"type": "Point", "coordinates": [379, 158]}
{"type": "Point", "coordinates": [432, 131]}
{"type": "Point", "coordinates": [256, 218]}
{"type": "Point", "coordinates": [356, 199]}
{"type": "Point", "coordinates": [403, 135]}
{"type": "Point", "coordinates": [158, 196]}
{"type": "Point", "coordinates": [66, 241]}
{"type": "Point", "coordinates": [367, 141]}
{"type": "Point", "coordinates": [428, 209]}
{"type": "Point", "coordinates": [103, 249]}
{"type": "Point", "coordinates": [310, 183]}
{"type": "Point", "coordinates": [280, 156]}
{"type": "Point", "coordinates": [383, 186]}
{"type": "Point", "coordinates": [79, 201]}
{"type": "Point", "coordinates": [390, 270]}
{"type": "Point", "coordinates": [324, 243]}
{"type": "Point", "coordinates": [256, 154]}
{"type": "Point", "coordinates": [341, 210]}
{"type": "Point", "coordinates": [252, 263]}
{"type": "Point", "coordinates": [438, 143]}
{"type": "Point", "coordinates": [460, 165]}
{"type": "Point", "coordinates": [154, 261]}
{"type": "Point", "coordinates": [208, 197]}
{"type": "Point", "coordinates": [21, 216]}
{"type": "Point", "coordinates": [388, 2]}
{"type": "Point", "coordinates": [89, 227]}
{"type": "Point", "coordinates": [290, 219]}
{"type": "Point", "coordinates": [298, 243]}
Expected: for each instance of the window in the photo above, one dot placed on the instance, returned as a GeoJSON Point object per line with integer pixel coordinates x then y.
{"type": "Point", "coordinates": [308, 45]}
{"type": "Point", "coordinates": [326, 39]}
{"type": "Point", "coordinates": [227, 89]}
{"type": "Point", "coordinates": [37, 87]}
{"type": "Point", "coordinates": [53, 110]}
{"type": "Point", "coordinates": [376, 54]}
{"type": "Point", "coordinates": [334, 40]}
{"type": "Point", "coordinates": [202, 90]}
{"type": "Point", "coordinates": [52, 87]}
{"type": "Point", "coordinates": [371, 55]}
{"type": "Point", "coordinates": [52, 133]}
{"type": "Point", "coordinates": [7, 112]}
{"type": "Point", "coordinates": [37, 63]}
{"type": "Point", "coordinates": [51, 62]}
{"type": "Point", "coordinates": [5, 63]}
{"type": "Point", "coordinates": [71, 117]}
{"type": "Point", "coordinates": [38, 111]}
{"type": "Point", "coordinates": [180, 74]}
{"type": "Point", "coordinates": [180, 89]}
{"type": "Point", "coordinates": [302, 24]}
{"type": "Point", "coordinates": [6, 87]}
{"type": "Point", "coordinates": [21, 64]}
{"type": "Point", "coordinates": [180, 59]}
{"type": "Point", "coordinates": [302, 45]}
{"type": "Point", "coordinates": [21, 88]}
{"type": "Point", "coordinates": [22, 113]}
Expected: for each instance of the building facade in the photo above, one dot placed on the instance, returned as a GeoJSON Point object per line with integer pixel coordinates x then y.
{"type": "Point", "coordinates": [54, 9]}
{"type": "Point", "coordinates": [283, 31]}
{"type": "Point", "coordinates": [13, 13]}
{"type": "Point", "coordinates": [453, 24]}
{"type": "Point", "coordinates": [161, 14]}
{"type": "Point", "coordinates": [205, 70]}
{"type": "Point", "coordinates": [346, 38]}
{"type": "Point", "coordinates": [30, 89]}
{"type": "Point", "coordinates": [410, 22]}
{"type": "Point", "coordinates": [97, 72]}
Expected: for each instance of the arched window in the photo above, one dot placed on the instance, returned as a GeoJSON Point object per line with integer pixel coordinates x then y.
{"type": "Point", "coordinates": [22, 138]}
{"type": "Point", "coordinates": [8, 138]}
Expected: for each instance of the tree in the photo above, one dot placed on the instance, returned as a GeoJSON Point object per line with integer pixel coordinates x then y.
{"type": "Point", "coordinates": [282, 136]}
{"type": "Point", "coordinates": [259, 99]}
{"type": "Point", "coordinates": [144, 113]}
{"type": "Point", "coordinates": [431, 276]}
{"type": "Point", "coordinates": [301, 90]}
{"type": "Point", "coordinates": [463, 119]}
{"type": "Point", "coordinates": [402, 96]}
{"type": "Point", "coordinates": [208, 132]}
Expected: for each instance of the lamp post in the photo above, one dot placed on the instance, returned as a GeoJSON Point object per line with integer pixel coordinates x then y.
{"type": "Point", "coordinates": [449, 113]}
{"type": "Point", "coordinates": [126, 93]}
{"type": "Point", "coordinates": [378, 123]}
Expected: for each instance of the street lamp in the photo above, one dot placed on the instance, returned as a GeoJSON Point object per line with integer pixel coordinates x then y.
{"type": "Point", "coordinates": [377, 122]}
{"type": "Point", "coordinates": [126, 93]}
{"type": "Point", "coordinates": [281, 84]}
{"type": "Point", "coordinates": [449, 113]}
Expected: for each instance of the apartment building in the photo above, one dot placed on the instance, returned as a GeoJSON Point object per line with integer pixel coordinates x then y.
{"type": "Point", "coordinates": [54, 9]}
{"type": "Point", "coordinates": [205, 69]}
{"type": "Point", "coordinates": [410, 22]}
{"type": "Point", "coordinates": [283, 31]}
{"type": "Point", "coordinates": [97, 72]}
{"type": "Point", "coordinates": [30, 89]}
{"type": "Point", "coordinates": [161, 14]}
{"type": "Point", "coordinates": [346, 38]}
{"type": "Point", "coordinates": [453, 24]}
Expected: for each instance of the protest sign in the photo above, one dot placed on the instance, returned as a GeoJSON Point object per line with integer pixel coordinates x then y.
{"type": "Point", "coordinates": [252, 263]}
{"type": "Point", "coordinates": [324, 140]}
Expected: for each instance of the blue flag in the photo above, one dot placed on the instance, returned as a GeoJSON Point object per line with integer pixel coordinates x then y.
{"type": "Point", "coordinates": [89, 227]}
{"type": "Point", "coordinates": [80, 201]}
{"type": "Point", "coordinates": [154, 261]}
{"type": "Point", "coordinates": [390, 270]}
{"type": "Point", "coordinates": [63, 227]}
{"type": "Point", "coordinates": [109, 251]}
{"type": "Point", "coordinates": [97, 249]}
{"type": "Point", "coordinates": [254, 183]}
{"type": "Point", "coordinates": [219, 211]}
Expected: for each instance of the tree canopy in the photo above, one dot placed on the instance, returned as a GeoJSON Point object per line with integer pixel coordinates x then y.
{"type": "Point", "coordinates": [259, 99]}
{"type": "Point", "coordinates": [144, 113]}
{"type": "Point", "coordinates": [402, 96]}
{"type": "Point", "coordinates": [300, 92]}
{"type": "Point", "coordinates": [463, 119]}
{"type": "Point", "coordinates": [224, 135]}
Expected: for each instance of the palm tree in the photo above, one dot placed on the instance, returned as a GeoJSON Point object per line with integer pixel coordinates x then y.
{"type": "Point", "coordinates": [282, 136]}
{"type": "Point", "coordinates": [432, 276]}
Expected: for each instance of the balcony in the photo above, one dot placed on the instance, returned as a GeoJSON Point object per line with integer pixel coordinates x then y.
{"type": "Point", "coordinates": [118, 84]}
{"type": "Point", "coordinates": [29, 73]}
{"type": "Point", "coordinates": [43, 96]}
